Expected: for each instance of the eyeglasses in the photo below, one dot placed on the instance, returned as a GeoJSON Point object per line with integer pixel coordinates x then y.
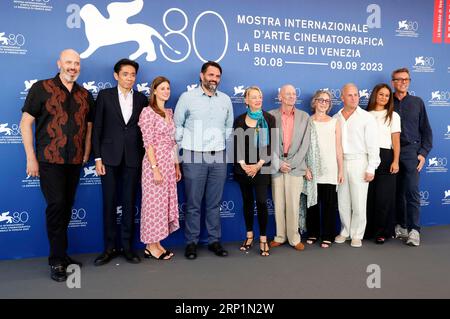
{"type": "Point", "coordinates": [322, 101]}
{"type": "Point", "coordinates": [401, 80]}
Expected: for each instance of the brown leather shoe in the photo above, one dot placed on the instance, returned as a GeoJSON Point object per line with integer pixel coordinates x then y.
{"type": "Point", "coordinates": [299, 246]}
{"type": "Point", "coordinates": [274, 243]}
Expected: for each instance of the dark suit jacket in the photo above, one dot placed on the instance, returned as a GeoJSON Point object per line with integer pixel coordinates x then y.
{"type": "Point", "coordinates": [111, 137]}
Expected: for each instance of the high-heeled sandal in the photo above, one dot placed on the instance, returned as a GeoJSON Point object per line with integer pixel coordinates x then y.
{"type": "Point", "coordinates": [325, 244]}
{"type": "Point", "coordinates": [148, 254]}
{"type": "Point", "coordinates": [169, 253]}
{"type": "Point", "coordinates": [246, 245]}
{"type": "Point", "coordinates": [264, 252]}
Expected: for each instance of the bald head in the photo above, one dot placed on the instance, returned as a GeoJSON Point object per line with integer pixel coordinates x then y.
{"type": "Point", "coordinates": [69, 53]}
{"type": "Point", "coordinates": [287, 95]}
{"type": "Point", "coordinates": [69, 65]}
{"type": "Point", "coordinates": [287, 87]}
{"type": "Point", "coordinates": [350, 96]}
{"type": "Point", "coordinates": [349, 85]}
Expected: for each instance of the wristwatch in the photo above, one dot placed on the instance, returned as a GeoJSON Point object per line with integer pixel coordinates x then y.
{"type": "Point", "coordinates": [154, 166]}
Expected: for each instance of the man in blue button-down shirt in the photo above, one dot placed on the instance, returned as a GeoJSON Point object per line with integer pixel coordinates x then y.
{"type": "Point", "coordinates": [416, 141]}
{"type": "Point", "coordinates": [204, 121]}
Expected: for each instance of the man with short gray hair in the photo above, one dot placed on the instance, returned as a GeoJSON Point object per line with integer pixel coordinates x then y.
{"type": "Point", "coordinates": [416, 141]}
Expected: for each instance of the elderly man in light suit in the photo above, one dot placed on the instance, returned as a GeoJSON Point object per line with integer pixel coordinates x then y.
{"type": "Point", "coordinates": [289, 167]}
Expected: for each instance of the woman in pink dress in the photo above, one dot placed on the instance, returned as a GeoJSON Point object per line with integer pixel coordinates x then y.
{"type": "Point", "coordinates": [160, 172]}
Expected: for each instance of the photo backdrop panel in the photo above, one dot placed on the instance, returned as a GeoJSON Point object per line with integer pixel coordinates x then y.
{"type": "Point", "coordinates": [311, 44]}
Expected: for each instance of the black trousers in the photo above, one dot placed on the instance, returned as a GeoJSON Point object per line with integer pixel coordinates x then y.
{"type": "Point", "coordinates": [127, 178]}
{"type": "Point", "coordinates": [261, 204]}
{"type": "Point", "coordinates": [327, 202]}
{"type": "Point", "coordinates": [58, 184]}
{"type": "Point", "coordinates": [381, 199]}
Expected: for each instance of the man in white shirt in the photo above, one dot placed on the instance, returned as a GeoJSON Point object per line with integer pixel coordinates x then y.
{"type": "Point", "coordinates": [361, 158]}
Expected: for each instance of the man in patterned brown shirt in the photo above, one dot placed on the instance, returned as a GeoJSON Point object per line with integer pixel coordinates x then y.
{"type": "Point", "coordinates": [62, 110]}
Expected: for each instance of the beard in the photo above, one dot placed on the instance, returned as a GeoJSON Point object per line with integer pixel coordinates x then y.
{"type": "Point", "coordinates": [69, 78]}
{"type": "Point", "coordinates": [211, 86]}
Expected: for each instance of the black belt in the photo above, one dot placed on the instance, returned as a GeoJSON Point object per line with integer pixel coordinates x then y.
{"type": "Point", "coordinates": [207, 152]}
{"type": "Point", "coordinates": [406, 143]}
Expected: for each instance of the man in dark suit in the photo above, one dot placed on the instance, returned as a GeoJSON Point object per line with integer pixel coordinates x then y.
{"type": "Point", "coordinates": [118, 152]}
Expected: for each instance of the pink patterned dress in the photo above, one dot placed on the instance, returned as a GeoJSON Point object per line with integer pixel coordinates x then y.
{"type": "Point", "coordinates": [159, 209]}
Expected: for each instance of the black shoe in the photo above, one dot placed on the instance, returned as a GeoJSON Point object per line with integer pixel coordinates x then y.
{"type": "Point", "coordinates": [105, 257]}
{"type": "Point", "coordinates": [218, 249]}
{"type": "Point", "coordinates": [191, 251]}
{"type": "Point", "coordinates": [58, 272]}
{"type": "Point", "coordinates": [131, 257]}
{"type": "Point", "coordinates": [247, 244]}
{"type": "Point", "coordinates": [69, 261]}
{"type": "Point", "coordinates": [265, 251]}
{"type": "Point", "coordinates": [148, 254]}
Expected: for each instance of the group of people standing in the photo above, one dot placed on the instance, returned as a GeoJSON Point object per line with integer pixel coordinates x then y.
{"type": "Point", "coordinates": [363, 163]}
{"type": "Point", "coordinates": [353, 161]}
{"type": "Point", "coordinates": [373, 159]}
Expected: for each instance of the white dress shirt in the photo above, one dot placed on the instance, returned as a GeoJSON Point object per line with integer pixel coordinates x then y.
{"type": "Point", "coordinates": [360, 136]}
{"type": "Point", "coordinates": [126, 104]}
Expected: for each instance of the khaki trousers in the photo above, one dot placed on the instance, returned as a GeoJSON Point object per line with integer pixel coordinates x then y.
{"type": "Point", "coordinates": [286, 191]}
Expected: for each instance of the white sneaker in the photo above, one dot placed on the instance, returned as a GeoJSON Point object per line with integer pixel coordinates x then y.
{"type": "Point", "coordinates": [340, 239]}
{"type": "Point", "coordinates": [356, 243]}
{"type": "Point", "coordinates": [401, 232]}
{"type": "Point", "coordinates": [413, 238]}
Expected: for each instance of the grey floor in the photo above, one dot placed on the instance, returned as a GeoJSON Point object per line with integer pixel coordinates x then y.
{"type": "Point", "coordinates": [339, 272]}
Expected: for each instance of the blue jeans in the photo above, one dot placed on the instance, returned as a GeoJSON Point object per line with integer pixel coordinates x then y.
{"type": "Point", "coordinates": [408, 197]}
{"type": "Point", "coordinates": [203, 180]}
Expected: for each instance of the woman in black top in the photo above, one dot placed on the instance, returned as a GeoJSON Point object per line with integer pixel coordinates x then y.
{"type": "Point", "coordinates": [252, 146]}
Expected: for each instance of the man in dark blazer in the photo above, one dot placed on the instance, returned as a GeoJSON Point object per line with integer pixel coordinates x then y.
{"type": "Point", "coordinates": [118, 152]}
